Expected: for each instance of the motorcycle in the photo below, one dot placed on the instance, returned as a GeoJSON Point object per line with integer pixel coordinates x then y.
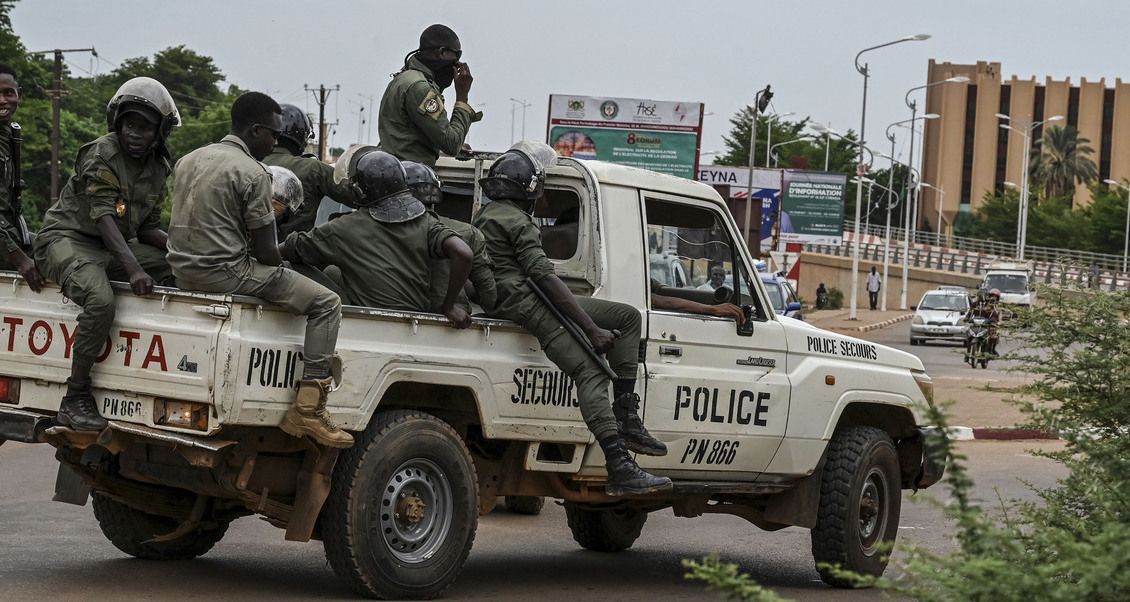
{"type": "Point", "coordinates": [977, 349]}
{"type": "Point", "coordinates": [821, 300]}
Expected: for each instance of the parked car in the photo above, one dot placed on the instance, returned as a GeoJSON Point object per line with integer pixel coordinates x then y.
{"type": "Point", "coordinates": [939, 316]}
{"type": "Point", "coordinates": [782, 296]}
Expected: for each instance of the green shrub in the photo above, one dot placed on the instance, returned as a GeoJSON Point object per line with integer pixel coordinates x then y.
{"type": "Point", "coordinates": [835, 298]}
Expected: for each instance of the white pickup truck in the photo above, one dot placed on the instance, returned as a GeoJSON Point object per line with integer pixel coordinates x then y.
{"type": "Point", "coordinates": [778, 422]}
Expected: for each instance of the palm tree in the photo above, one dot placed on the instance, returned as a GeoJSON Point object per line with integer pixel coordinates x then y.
{"type": "Point", "coordinates": [1061, 158]}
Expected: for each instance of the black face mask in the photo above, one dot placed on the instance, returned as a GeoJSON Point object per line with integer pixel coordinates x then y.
{"type": "Point", "coordinates": [443, 71]}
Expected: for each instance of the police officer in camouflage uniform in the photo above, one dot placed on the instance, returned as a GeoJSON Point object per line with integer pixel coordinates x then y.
{"type": "Point", "coordinates": [515, 181]}
{"type": "Point", "coordinates": [425, 186]}
{"type": "Point", "coordinates": [413, 124]}
{"type": "Point", "coordinates": [107, 224]}
{"type": "Point", "coordinates": [15, 247]}
{"type": "Point", "coordinates": [316, 177]}
{"type": "Point", "coordinates": [384, 249]}
{"type": "Point", "coordinates": [222, 240]}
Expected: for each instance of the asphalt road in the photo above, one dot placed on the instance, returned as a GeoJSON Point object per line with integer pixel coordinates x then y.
{"type": "Point", "coordinates": [56, 551]}
{"type": "Point", "coordinates": [943, 358]}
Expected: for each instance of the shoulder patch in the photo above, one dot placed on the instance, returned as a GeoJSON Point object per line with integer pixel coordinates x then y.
{"type": "Point", "coordinates": [432, 105]}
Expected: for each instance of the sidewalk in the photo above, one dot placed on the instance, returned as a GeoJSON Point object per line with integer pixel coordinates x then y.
{"type": "Point", "coordinates": [973, 400]}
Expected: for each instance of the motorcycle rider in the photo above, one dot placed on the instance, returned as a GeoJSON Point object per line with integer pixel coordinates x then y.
{"type": "Point", "coordinates": [987, 306]}
{"type": "Point", "coordinates": [821, 296]}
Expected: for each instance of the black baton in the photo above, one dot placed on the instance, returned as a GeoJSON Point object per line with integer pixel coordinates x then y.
{"type": "Point", "coordinates": [571, 328]}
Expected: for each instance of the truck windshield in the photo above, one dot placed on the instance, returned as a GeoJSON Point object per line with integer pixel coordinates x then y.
{"type": "Point", "coordinates": [1007, 283]}
{"type": "Point", "coordinates": [776, 295]}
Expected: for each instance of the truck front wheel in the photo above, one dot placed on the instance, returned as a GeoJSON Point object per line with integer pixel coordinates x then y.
{"type": "Point", "coordinates": [605, 529]}
{"type": "Point", "coordinates": [403, 508]}
{"type": "Point", "coordinates": [860, 502]}
{"type": "Point", "coordinates": [130, 530]}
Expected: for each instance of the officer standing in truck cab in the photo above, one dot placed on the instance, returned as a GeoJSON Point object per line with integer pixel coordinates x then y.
{"type": "Point", "coordinates": [515, 182]}
{"type": "Point", "coordinates": [316, 177]}
{"type": "Point", "coordinates": [222, 240]}
{"type": "Point", "coordinates": [414, 124]}
{"type": "Point", "coordinates": [425, 186]}
{"type": "Point", "coordinates": [107, 224]}
{"type": "Point", "coordinates": [13, 237]}
{"type": "Point", "coordinates": [384, 248]}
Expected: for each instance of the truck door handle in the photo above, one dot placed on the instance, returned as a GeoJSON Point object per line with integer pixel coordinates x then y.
{"type": "Point", "coordinates": [671, 350]}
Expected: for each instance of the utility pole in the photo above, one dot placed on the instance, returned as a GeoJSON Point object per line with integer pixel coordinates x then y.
{"type": "Point", "coordinates": [56, 93]}
{"type": "Point", "coordinates": [321, 93]}
{"type": "Point", "coordinates": [369, 135]}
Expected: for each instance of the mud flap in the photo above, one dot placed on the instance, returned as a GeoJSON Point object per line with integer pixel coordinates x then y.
{"type": "Point", "coordinates": [70, 488]}
{"type": "Point", "coordinates": [313, 489]}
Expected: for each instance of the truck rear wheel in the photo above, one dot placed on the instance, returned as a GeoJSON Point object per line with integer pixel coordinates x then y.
{"type": "Point", "coordinates": [402, 512]}
{"type": "Point", "coordinates": [605, 529]}
{"type": "Point", "coordinates": [130, 529]}
{"type": "Point", "coordinates": [525, 504]}
{"type": "Point", "coordinates": [860, 502]}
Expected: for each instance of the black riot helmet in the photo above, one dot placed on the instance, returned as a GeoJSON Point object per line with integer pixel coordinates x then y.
{"type": "Point", "coordinates": [519, 174]}
{"type": "Point", "coordinates": [423, 183]}
{"type": "Point", "coordinates": [297, 128]}
{"type": "Point", "coordinates": [381, 180]}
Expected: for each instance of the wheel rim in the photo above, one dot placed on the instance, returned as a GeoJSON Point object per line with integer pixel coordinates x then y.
{"type": "Point", "coordinates": [873, 509]}
{"type": "Point", "coordinates": [416, 510]}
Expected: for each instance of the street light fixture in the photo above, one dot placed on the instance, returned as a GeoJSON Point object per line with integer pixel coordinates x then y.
{"type": "Point", "coordinates": [779, 144]}
{"type": "Point", "coordinates": [769, 131]}
{"type": "Point", "coordinates": [909, 123]}
{"type": "Point", "coordinates": [1025, 129]}
{"type": "Point", "coordinates": [942, 191]}
{"type": "Point", "coordinates": [760, 102]}
{"type": "Point", "coordinates": [1126, 235]}
{"type": "Point", "coordinates": [525, 105]}
{"type": "Point", "coordinates": [866, 73]}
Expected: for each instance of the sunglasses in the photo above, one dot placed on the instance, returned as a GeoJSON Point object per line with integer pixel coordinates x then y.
{"type": "Point", "coordinates": [458, 53]}
{"type": "Point", "coordinates": [274, 133]}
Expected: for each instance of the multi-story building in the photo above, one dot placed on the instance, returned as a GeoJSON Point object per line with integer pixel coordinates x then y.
{"type": "Point", "coordinates": [967, 154]}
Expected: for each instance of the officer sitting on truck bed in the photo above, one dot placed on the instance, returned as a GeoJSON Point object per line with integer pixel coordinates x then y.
{"type": "Point", "coordinates": [107, 224]}
{"type": "Point", "coordinates": [515, 182]}
{"type": "Point", "coordinates": [386, 245]}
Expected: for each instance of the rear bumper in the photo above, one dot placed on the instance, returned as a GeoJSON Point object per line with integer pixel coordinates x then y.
{"type": "Point", "coordinates": [23, 426]}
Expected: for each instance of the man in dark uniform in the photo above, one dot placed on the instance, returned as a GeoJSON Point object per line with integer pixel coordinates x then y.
{"type": "Point", "coordinates": [413, 124]}
{"type": "Point", "coordinates": [515, 181]}
{"type": "Point", "coordinates": [316, 177]}
{"type": "Point", "coordinates": [107, 224]}
{"type": "Point", "coordinates": [425, 186]}
{"type": "Point", "coordinates": [385, 247]}
{"type": "Point", "coordinates": [222, 240]}
{"type": "Point", "coordinates": [15, 247]}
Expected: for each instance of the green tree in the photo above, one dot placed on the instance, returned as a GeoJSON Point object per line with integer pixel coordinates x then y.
{"type": "Point", "coordinates": [996, 217]}
{"type": "Point", "coordinates": [800, 155]}
{"type": "Point", "coordinates": [1062, 158]}
{"type": "Point", "coordinates": [1106, 220]}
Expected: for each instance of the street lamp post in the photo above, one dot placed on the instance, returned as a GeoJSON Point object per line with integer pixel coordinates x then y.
{"type": "Point", "coordinates": [525, 105]}
{"type": "Point", "coordinates": [912, 204]}
{"type": "Point", "coordinates": [769, 119]}
{"type": "Point", "coordinates": [1025, 130]}
{"type": "Point", "coordinates": [866, 73]}
{"type": "Point", "coordinates": [941, 201]}
{"type": "Point", "coordinates": [1126, 234]}
{"type": "Point", "coordinates": [906, 209]}
{"type": "Point", "coordinates": [780, 144]}
{"type": "Point", "coordinates": [760, 101]}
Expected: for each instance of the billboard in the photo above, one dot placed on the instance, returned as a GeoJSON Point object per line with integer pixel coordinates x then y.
{"type": "Point", "coordinates": [812, 207]}
{"type": "Point", "coordinates": [732, 184]}
{"type": "Point", "coordinates": [659, 135]}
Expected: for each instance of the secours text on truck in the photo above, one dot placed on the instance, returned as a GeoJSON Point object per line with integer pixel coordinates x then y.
{"type": "Point", "coordinates": [777, 422]}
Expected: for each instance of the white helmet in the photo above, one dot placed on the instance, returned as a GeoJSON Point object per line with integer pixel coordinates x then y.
{"type": "Point", "coordinates": [146, 96]}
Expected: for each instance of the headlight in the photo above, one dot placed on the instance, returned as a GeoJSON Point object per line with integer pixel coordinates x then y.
{"type": "Point", "coordinates": [926, 386]}
{"type": "Point", "coordinates": [918, 321]}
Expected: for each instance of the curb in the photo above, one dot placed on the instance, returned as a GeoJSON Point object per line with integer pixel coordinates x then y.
{"type": "Point", "coordinates": [867, 327]}
{"type": "Point", "coordinates": [965, 433]}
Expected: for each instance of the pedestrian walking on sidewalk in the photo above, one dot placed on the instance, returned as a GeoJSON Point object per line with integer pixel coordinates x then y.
{"type": "Point", "coordinates": [873, 286]}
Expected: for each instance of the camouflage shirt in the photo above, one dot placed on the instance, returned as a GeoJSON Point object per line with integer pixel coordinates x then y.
{"type": "Point", "coordinates": [413, 123]}
{"type": "Point", "coordinates": [514, 244]}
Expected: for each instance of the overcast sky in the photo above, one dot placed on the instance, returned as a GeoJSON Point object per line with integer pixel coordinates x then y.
{"type": "Point", "coordinates": [718, 53]}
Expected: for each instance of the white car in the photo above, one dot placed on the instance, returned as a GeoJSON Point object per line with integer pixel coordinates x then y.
{"type": "Point", "coordinates": [939, 316]}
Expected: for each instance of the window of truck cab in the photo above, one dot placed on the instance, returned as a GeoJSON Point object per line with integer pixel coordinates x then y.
{"type": "Point", "coordinates": [692, 254]}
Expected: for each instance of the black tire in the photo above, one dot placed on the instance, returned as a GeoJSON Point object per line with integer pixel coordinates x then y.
{"type": "Point", "coordinates": [128, 529]}
{"type": "Point", "coordinates": [525, 504]}
{"type": "Point", "coordinates": [913, 341]}
{"type": "Point", "coordinates": [984, 364]}
{"type": "Point", "coordinates": [860, 503]}
{"type": "Point", "coordinates": [971, 355]}
{"type": "Point", "coordinates": [605, 529]}
{"type": "Point", "coordinates": [411, 457]}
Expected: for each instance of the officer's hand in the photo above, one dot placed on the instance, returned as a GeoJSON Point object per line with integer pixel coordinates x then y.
{"type": "Point", "coordinates": [141, 283]}
{"type": "Point", "coordinates": [458, 317]}
{"type": "Point", "coordinates": [26, 268]}
{"type": "Point", "coordinates": [463, 79]}
{"type": "Point", "coordinates": [729, 310]}
{"type": "Point", "coordinates": [601, 339]}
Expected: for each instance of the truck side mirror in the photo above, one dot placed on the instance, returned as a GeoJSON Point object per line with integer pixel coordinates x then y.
{"type": "Point", "coordinates": [793, 306]}
{"type": "Point", "coordinates": [746, 329]}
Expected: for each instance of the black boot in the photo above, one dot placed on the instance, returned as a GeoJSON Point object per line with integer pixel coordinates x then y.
{"type": "Point", "coordinates": [78, 410]}
{"type": "Point", "coordinates": [628, 423]}
{"type": "Point", "coordinates": [625, 477]}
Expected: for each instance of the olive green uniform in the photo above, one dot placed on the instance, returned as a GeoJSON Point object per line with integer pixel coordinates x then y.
{"type": "Point", "coordinates": [385, 265]}
{"type": "Point", "coordinates": [220, 194]}
{"type": "Point", "coordinates": [69, 249]}
{"type": "Point", "coordinates": [317, 181]}
{"type": "Point", "coordinates": [514, 244]}
{"type": "Point", "coordinates": [9, 218]}
{"type": "Point", "coordinates": [413, 123]}
{"type": "Point", "coordinates": [482, 273]}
